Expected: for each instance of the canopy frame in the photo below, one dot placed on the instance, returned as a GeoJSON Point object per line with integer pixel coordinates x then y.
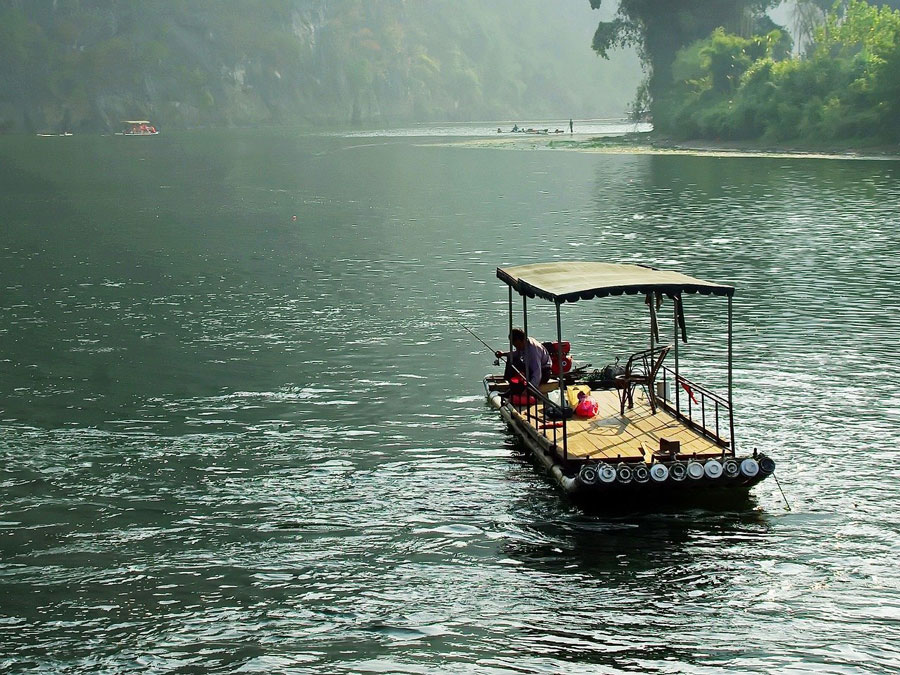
{"type": "Point", "coordinates": [573, 281]}
{"type": "Point", "coordinates": [610, 279]}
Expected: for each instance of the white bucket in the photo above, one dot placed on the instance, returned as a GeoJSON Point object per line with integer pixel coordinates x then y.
{"type": "Point", "coordinates": [661, 390]}
{"type": "Point", "coordinates": [659, 473]}
{"type": "Point", "coordinates": [731, 468]}
{"type": "Point", "coordinates": [606, 473]}
{"type": "Point", "coordinates": [695, 470]}
{"type": "Point", "coordinates": [749, 467]}
{"type": "Point", "coordinates": [713, 468]}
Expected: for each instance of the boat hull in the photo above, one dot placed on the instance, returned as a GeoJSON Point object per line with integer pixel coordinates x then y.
{"type": "Point", "coordinates": [570, 476]}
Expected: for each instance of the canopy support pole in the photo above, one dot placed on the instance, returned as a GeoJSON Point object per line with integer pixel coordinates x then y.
{"type": "Point", "coordinates": [677, 380]}
{"type": "Point", "coordinates": [562, 382]}
{"type": "Point", "coordinates": [509, 334]}
{"type": "Point", "coordinates": [525, 328]}
{"type": "Point", "coordinates": [730, 365]}
{"type": "Point", "coordinates": [525, 358]}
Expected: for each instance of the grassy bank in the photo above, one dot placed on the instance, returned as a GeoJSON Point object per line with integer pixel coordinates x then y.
{"type": "Point", "coordinates": [654, 142]}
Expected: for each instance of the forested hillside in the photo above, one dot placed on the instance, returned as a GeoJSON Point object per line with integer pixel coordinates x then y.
{"type": "Point", "coordinates": [722, 69]}
{"type": "Point", "coordinates": [87, 64]}
{"type": "Point", "coordinates": [845, 85]}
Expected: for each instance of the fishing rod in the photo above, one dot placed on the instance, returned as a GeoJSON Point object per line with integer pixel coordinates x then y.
{"type": "Point", "coordinates": [499, 355]}
{"type": "Point", "coordinates": [495, 352]}
{"type": "Point", "coordinates": [505, 355]}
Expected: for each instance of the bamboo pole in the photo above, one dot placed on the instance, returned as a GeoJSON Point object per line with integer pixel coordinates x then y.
{"type": "Point", "coordinates": [677, 382]}
{"type": "Point", "coordinates": [730, 380]}
{"type": "Point", "coordinates": [562, 379]}
{"type": "Point", "coordinates": [527, 378]}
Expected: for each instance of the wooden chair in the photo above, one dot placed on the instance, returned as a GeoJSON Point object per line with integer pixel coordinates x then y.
{"type": "Point", "coordinates": [640, 371]}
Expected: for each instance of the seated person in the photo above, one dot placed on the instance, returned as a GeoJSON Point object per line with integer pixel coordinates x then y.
{"type": "Point", "coordinates": [530, 352]}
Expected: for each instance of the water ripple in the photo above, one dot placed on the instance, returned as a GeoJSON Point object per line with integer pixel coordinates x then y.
{"type": "Point", "coordinates": [234, 442]}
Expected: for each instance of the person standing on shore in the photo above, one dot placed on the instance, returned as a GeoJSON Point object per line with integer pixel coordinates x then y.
{"type": "Point", "coordinates": [571, 126]}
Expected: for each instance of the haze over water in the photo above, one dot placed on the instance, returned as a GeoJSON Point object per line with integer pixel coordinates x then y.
{"type": "Point", "coordinates": [235, 441]}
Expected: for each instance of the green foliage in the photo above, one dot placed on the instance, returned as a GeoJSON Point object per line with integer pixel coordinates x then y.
{"type": "Point", "coordinates": [725, 58]}
{"type": "Point", "coordinates": [845, 86]}
{"type": "Point", "coordinates": [659, 28]}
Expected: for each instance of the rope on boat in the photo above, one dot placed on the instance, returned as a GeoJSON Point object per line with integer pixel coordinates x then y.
{"type": "Point", "coordinates": [775, 476]}
{"type": "Point", "coordinates": [770, 468]}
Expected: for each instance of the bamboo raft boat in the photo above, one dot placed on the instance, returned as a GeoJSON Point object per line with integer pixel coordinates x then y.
{"type": "Point", "coordinates": [654, 435]}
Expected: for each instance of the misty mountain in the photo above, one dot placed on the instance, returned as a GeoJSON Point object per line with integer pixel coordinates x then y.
{"type": "Point", "coordinates": [87, 64]}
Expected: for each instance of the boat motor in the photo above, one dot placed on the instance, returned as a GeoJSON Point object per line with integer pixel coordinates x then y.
{"type": "Point", "coordinates": [588, 474]}
{"type": "Point", "coordinates": [749, 467]}
{"type": "Point", "coordinates": [695, 470]}
{"type": "Point", "coordinates": [566, 363]}
{"type": "Point", "coordinates": [606, 473]}
{"type": "Point", "coordinates": [678, 471]}
{"type": "Point", "coordinates": [659, 473]}
{"type": "Point", "coordinates": [624, 473]}
{"type": "Point", "coordinates": [641, 474]}
{"type": "Point", "coordinates": [713, 468]}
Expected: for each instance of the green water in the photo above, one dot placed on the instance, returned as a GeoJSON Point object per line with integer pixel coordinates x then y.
{"type": "Point", "coordinates": [235, 441]}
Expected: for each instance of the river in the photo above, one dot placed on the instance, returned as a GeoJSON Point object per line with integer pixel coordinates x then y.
{"type": "Point", "coordinates": [242, 431]}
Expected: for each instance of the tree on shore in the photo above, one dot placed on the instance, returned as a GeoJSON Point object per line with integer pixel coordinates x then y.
{"type": "Point", "coordinates": [843, 87]}
{"type": "Point", "coordinates": [808, 16]}
{"type": "Point", "coordinates": [659, 28]}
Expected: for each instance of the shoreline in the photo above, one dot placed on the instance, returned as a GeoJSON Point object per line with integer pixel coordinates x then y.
{"type": "Point", "coordinates": [646, 143]}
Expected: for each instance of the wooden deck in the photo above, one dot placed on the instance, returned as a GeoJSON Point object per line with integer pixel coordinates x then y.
{"type": "Point", "coordinates": [633, 436]}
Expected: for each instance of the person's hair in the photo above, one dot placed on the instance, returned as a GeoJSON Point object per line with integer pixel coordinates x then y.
{"type": "Point", "coordinates": [516, 334]}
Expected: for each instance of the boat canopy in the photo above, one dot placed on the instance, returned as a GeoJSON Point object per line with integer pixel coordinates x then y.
{"type": "Point", "coordinates": [572, 281]}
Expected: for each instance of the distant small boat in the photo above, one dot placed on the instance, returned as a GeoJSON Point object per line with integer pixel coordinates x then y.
{"type": "Point", "coordinates": [530, 130]}
{"type": "Point", "coordinates": [138, 128]}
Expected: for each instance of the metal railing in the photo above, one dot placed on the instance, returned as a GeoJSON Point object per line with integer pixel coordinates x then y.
{"type": "Point", "coordinates": [713, 410]}
{"type": "Point", "coordinates": [539, 421]}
